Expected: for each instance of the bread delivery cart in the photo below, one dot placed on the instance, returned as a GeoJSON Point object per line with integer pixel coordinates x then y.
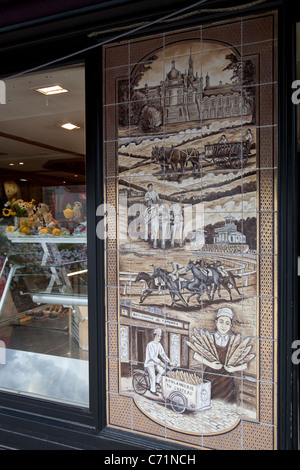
{"type": "Point", "coordinates": [186, 391]}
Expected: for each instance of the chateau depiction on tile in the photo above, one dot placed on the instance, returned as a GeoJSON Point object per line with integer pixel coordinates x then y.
{"type": "Point", "coordinates": [189, 96]}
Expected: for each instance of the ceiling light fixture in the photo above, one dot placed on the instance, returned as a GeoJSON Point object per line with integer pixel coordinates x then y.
{"type": "Point", "coordinates": [51, 90]}
{"type": "Point", "coordinates": [70, 126]}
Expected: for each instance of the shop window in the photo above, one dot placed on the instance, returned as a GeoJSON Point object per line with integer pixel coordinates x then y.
{"type": "Point", "coordinates": [43, 230]}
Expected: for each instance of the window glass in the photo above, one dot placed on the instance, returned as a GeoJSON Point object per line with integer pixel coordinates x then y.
{"type": "Point", "coordinates": [43, 227]}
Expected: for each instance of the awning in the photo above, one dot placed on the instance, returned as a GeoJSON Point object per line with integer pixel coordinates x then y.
{"type": "Point", "coordinates": [18, 12]}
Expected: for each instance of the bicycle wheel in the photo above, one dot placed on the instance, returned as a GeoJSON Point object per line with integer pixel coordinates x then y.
{"type": "Point", "coordinates": [140, 383]}
{"type": "Point", "coordinates": [178, 402]}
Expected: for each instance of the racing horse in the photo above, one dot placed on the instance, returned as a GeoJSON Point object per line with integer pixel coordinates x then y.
{"type": "Point", "coordinates": [179, 286]}
{"type": "Point", "coordinates": [213, 277]}
{"type": "Point", "coordinates": [171, 284]}
{"type": "Point", "coordinates": [226, 279]}
{"type": "Point", "coordinates": [153, 284]}
{"type": "Point", "coordinates": [207, 277]}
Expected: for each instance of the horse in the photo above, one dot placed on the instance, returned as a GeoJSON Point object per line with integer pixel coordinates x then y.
{"type": "Point", "coordinates": [226, 279]}
{"type": "Point", "coordinates": [151, 284]}
{"type": "Point", "coordinates": [195, 286]}
{"type": "Point", "coordinates": [165, 223]}
{"type": "Point", "coordinates": [178, 157]}
{"type": "Point", "coordinates": [159, 156]}
{"type": "Point", "coordinates": [171, 284]}
{"type": "Point", "coordinates": [193, 157]}
{"type": "Point", "coordinates": [172, 157]}
{"type": "Point", "coordinates": [177, 223]}
{"type": "Point", "coordinates": [208, 277]}
{"type": "Point", "coordinates": [157, 217]}
{"type": "Point", "coordinates": [213, 276]}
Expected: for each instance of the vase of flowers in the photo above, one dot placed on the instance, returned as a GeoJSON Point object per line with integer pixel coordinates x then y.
{"type": "Point", "coordinates": [19, 210]}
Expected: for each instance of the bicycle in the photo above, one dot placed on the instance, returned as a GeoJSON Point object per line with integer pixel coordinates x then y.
{"type": "Point", "coordinates": [140, 381]}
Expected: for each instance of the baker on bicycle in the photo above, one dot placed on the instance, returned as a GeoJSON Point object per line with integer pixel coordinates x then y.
{"type": "Point", "coordinates": [153, 363]}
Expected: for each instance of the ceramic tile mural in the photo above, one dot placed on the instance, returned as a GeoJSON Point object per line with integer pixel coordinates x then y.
{"type": "Point", "coordinates": [190, 180]}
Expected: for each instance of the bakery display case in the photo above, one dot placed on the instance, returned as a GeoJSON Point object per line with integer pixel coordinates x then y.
{"type": "Point", "coordinates": [43, 239]}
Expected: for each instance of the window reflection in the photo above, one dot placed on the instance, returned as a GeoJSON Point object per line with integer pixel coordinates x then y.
{"type": "Point", "coordinates": [43, 227]}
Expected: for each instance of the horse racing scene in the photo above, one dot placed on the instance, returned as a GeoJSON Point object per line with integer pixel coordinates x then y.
{"type": "Point", "coordinates": [186, 188]}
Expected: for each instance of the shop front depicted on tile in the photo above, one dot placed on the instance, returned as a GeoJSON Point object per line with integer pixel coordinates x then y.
{"type": "Point", "coordinates": [191, 248]}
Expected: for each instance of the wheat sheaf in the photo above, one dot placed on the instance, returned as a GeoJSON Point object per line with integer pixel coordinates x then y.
{"type": "Point", "coordinates": [238, 352]}
{"type": "Point", "coordinates": [203, 344]}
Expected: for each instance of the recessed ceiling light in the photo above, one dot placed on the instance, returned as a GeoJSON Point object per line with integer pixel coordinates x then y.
{"type": "Point", "coordinates": [70, 126]}
{"type": "Point", "coordinates": [51, 90]}
{"type": "Point", "coordinates": [21, 163]}
{"type": "Point", "coordinates": [23, 179]}
{"type": "Point", "coordinates": [11, 164]}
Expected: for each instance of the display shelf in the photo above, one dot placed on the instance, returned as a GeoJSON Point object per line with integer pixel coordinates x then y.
{"type": "Point", "coordinates": [58, 298]}
{"type": "Point", "coordinates": [16, 237]}
{"type": "Point", "coordinates": [52, 262]}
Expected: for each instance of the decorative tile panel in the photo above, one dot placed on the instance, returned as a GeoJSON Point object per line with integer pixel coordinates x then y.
{"type": "Point", "coordinates": [191, 257]}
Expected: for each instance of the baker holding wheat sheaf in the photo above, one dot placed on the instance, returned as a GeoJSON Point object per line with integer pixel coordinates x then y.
{"type": "Point", "coordinates": [222, 354]}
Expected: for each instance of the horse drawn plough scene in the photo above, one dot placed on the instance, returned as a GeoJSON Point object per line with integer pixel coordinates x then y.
{"type": "Point", "coordinates": [190, 187]}
{"type": "Point", "coordinates": [197, 154]}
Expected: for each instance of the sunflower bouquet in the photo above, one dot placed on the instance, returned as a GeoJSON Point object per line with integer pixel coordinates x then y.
{"type": "Point", "coordinates": [18, 208]}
